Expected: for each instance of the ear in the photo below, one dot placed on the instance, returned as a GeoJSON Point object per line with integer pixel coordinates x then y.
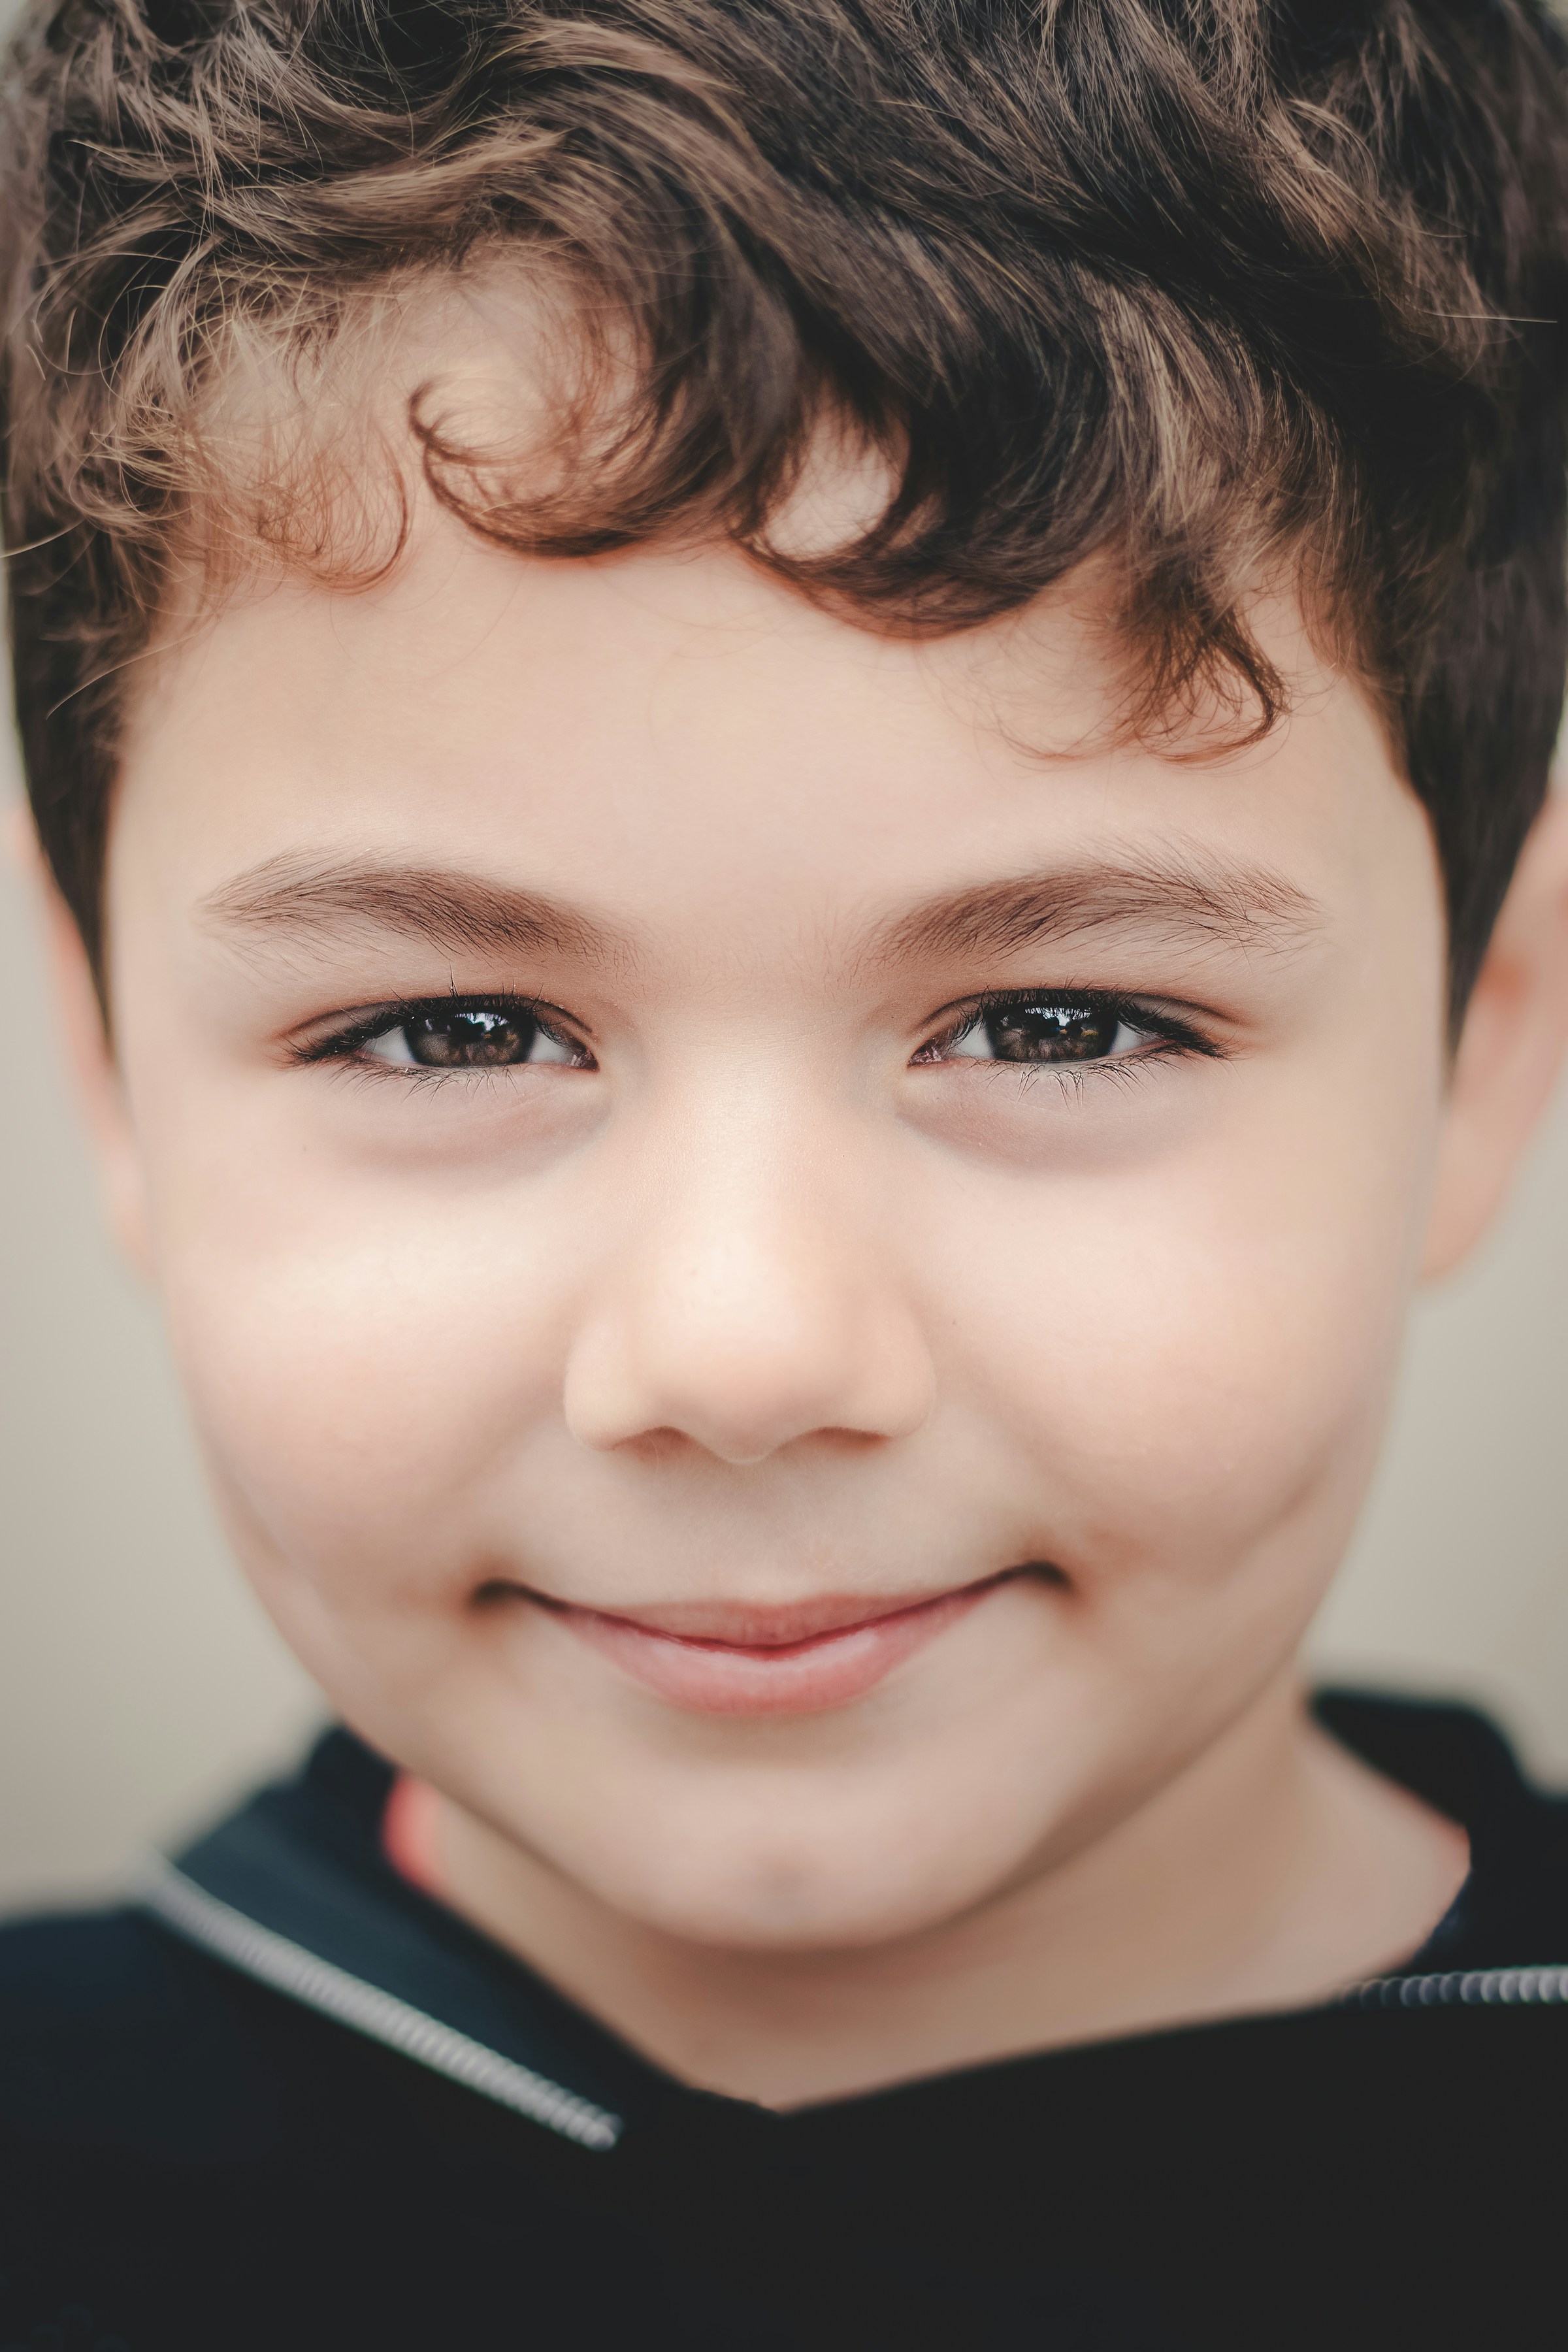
{"type": "Point", "coordinates": [1511, 1049]}
{"type": "Point", "coordinates": [90, 1059]}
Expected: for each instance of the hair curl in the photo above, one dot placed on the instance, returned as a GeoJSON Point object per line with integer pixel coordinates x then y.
{"type": "Point", "coordinates": [1215, 290]}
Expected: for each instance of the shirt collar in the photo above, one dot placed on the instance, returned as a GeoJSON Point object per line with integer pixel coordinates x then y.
{"type": "Point", "coordinates": [294, 1890]}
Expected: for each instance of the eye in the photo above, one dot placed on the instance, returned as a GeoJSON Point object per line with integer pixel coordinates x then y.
{"type": "Point", "coordinates": [459, 1037]}
{"type": "Point", "coordinates": [1044, 1030]}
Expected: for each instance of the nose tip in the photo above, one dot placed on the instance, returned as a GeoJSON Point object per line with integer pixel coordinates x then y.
{"type": "Point", "coordinates": [742, 1376]}
{"type": "Point", "coordinates": [736, 1411]}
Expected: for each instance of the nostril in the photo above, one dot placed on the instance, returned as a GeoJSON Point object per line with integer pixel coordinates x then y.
{"type": "Point", "coordinates": [494, 1592]}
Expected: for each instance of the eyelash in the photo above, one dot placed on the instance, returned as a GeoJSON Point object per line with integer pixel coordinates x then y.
{"type": "Point", "coordinates": [346, 1045]}
{"type": "Point", "coordinates": [1171, 1038]}
{"type": "Point", "coordinates": [1174, 1039]}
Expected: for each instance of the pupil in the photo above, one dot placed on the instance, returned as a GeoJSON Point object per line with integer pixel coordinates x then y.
{"type": "Point", "coordinates": [1052, 1033]}
{"type": "Point", "coordinates": [479, 1039]}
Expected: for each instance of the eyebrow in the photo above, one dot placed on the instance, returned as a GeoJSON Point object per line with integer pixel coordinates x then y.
{"type": "Point", "coordinates": [1181, 899]}
{"type": "Point", "coordinates": [452, 911]}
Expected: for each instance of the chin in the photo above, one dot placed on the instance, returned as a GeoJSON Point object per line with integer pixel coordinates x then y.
{"type": "Point", "coordinates": [781, 1892]}
{"type": "Point", "coordinates": [786, 1913]}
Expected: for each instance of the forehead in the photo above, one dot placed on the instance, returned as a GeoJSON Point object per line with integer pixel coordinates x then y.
{"type": "Point", "coordinates": [673, 739]}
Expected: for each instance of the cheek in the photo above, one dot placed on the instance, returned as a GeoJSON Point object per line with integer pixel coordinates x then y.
{"type": "Point", "coordinates": [360, 1370]}
{"type": "Point", "coordinates": [1198, 1357]}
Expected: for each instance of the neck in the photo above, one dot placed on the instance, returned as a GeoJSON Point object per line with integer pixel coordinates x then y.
{"type": "Point", "coordinates": [1274, 1871]}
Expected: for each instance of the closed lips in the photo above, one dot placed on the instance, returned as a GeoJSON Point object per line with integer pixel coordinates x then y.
{"type": "Point", "coordinates": [794, 1661]}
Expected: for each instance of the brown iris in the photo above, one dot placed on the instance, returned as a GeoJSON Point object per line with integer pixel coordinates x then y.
{"type": "Point", "coordinates": [1051, 1032]}
{"type": "Point", "coordinates": [481, 1038]}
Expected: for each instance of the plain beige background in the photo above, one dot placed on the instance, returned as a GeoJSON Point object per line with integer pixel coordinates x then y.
{"type": "Point", "coordinates": [140, 1685]}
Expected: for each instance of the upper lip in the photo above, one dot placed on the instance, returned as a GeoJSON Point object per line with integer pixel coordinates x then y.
{"type": "Point", "coordinates": [758, 1626]}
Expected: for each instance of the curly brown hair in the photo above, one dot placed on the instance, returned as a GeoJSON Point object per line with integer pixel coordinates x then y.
{"type": "Point", "coordinates": [1210, 289]}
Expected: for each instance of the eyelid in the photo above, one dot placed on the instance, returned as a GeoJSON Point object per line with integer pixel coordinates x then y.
{"type": "Point", "coordinates": [350, 1031]}
{"type": "Point", "coordinates": [1136, 1011]}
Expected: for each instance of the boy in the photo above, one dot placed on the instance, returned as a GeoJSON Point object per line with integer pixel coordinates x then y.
{"type": "Point", "coordinates": [779, 745]}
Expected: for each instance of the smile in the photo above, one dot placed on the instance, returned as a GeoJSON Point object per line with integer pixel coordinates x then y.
{"type": "Point", "coordinates": [719, 1659]}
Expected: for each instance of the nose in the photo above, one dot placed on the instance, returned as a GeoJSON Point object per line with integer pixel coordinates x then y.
{"type": "Point", "coordinates": [751, 1307]}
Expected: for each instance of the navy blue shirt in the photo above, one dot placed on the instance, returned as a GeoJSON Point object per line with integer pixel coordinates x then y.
{"type": "Point", "coordinates": [286, 2102]}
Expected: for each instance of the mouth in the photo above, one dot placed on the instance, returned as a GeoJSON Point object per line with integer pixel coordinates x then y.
{"type": "Point", "coordinates": [716, 1658]}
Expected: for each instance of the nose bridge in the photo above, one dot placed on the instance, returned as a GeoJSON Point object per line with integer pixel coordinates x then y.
{"type": "Point", "coordinates": [749, 1301]}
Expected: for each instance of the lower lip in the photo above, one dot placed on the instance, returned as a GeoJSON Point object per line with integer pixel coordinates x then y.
{"type": "Point", "coordinates": [795, 1678]}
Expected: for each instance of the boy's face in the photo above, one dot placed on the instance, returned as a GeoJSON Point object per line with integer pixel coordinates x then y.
{"type": "Point", "coordinates": [768, 1282]}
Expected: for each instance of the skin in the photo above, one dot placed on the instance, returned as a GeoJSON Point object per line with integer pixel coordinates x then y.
{"type": "Point", "coordinates": [756, 1308]}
